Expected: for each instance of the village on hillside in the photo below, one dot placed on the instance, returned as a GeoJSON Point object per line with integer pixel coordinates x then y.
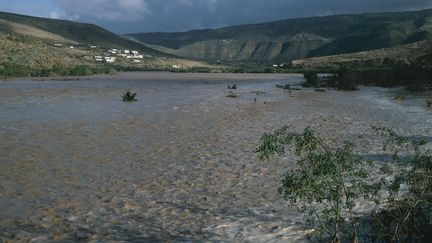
{"type": "Point", "coordinates": [111, 55]}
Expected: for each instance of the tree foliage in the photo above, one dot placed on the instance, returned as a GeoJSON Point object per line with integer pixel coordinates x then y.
{"type": "Point", "coordinates": [326, 182]}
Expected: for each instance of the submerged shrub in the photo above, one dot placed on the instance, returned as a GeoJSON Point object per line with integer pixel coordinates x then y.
{"type": "Point", "coordinates": [234, 86]}
{"type": "Point", "coordinates": [311, 79]}
{"type": "Point", "coordinates": [285, 86]}
{"type": "Point", "coordinates": [129, 96]}
{"type": "Point", "coordinates": [399, 97]}
{"type": "Point", "coordinates": [232, 95]}
{"type": "Point", "coordinates": [346, 84]}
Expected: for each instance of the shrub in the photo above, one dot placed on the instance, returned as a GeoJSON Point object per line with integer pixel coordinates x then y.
{"type": "Point", "coordinates": [311, 79]}
{"type": "Point", "coordinates": [407, 216]}
{"type": "Point", "coordinates": [285, 87]}
{"type": "Point", "coordinates": [129, 96]}
{"type": "Point", "coordinates": [346, 84]}
{"type": "Point", "coordinates": [234, 86]}
{"type": "Point", "coordinates": [399, 97]}
{"type": "Point", "coordinates": [326, 182]}
{"type": "Point", "coordinates": [232, 95]}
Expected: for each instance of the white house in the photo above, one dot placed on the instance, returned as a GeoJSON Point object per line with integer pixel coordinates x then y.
{"type": "Point", "coordinates": [58, 45]}
{"type": "Point", "coordinates": [135, 53]}
{"type": "Point", "coordinates": [71, 47]}
{"type": "Point", "coordinates": [110, 59]}
{"type": "Point", "coordinates": [126, 51]}
{"type": "Point", "coordinates": [136, 61]}
{"type": "Point", "coordinates": [98, 58]}
{"type": "Point", "coordinates": [139, 56]}
{"type": "Point", "coordinates": [176, 66]}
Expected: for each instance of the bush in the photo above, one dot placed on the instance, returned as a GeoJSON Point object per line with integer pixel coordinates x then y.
{"type": "Point", "coordinates": [311, 80]}
{"type": "Point", "coordinates": [285, 87]}
{"type": "Point", "coordinates": [234, 86]}
{"type": "Point", "coordinates": [326, 182]}
{"type": "Point", "coordinates": [129, 96]}
{"type": "Point", "coordinates": [232, 95]}
{"type": "Point", "coordinates": [407, 215]}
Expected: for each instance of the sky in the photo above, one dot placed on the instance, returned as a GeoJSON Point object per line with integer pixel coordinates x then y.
{"type": "Point", "coordinates": [133, 16]}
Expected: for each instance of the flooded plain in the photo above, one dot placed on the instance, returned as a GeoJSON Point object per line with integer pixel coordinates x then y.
{"type": "Point", "coordinates": [78, 164]}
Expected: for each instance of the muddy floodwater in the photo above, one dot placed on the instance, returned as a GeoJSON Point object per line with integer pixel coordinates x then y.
{"type": "Point", "coordinates": [78, 164]}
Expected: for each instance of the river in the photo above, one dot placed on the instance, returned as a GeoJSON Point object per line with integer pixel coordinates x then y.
{"type": "Point", "coordinates": [78, 164]}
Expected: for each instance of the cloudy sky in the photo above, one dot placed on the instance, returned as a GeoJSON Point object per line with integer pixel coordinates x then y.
{"type": "Point", "coordinates": [130, 16]}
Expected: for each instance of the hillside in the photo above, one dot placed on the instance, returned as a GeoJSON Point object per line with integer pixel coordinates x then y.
{"type": "Point", "coordinates": [37, 46]}
{"type": "Point", "coordinates": [63, 31]}
{"type": "Point", "coordinates": [417, 54]}
{"type": "Point", "coordinates": [290, 39]}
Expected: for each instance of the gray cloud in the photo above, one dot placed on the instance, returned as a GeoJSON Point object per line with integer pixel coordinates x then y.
{"type": "Point", "coordinates": [126, 16]}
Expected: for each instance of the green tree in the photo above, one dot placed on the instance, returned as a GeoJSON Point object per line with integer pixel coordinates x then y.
{"type": "Point", "coordinates": [407, 215]}
{"type": "Point", "coordinates": [325, 182]}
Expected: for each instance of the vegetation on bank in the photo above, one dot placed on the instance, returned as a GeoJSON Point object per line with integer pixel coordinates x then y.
{"type": "Point", "coordinates": [13, 70]}
{"type": "Point", "coordinates": [413, 77]}
{"type": "Point", "coordinates": [339, 80]}
{"type": "Point", "coordinates": [328, 182]}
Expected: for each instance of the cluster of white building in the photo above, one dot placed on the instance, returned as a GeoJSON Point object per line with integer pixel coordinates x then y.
{"type": "Point", "coordinates": [61, 45]}
{"type": "Point", "coordinates": [279, 65]}
{"type": "Point", "coordinates": [106, 59]}
{"type": "Point", "coordinates": [135, 56]}
{"type": "Point", "coordinates": [131, 54]}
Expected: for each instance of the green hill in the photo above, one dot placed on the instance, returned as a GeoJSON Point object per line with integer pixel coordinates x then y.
{"type": "Point", "coordinates": [290, 39]}
{"type": "Point", "coordinates": [82, 33]}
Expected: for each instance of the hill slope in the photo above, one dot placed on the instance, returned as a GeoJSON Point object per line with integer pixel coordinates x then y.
{"type": "Point", "coordinates": [418, 54]}
{"type": "Point", "coordinates": [296, 38]}
{"type": "Point", "coordinates": [68, 31]}
{"type": "Point", "coordinates": [27, 48]}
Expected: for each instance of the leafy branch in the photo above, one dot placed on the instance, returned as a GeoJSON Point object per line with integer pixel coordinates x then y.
{"type": "Point", "coordinates": [326, 182]}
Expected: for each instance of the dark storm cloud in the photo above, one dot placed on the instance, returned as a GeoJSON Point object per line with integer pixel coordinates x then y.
{"type": "Point", "coordinates": [126, 16]}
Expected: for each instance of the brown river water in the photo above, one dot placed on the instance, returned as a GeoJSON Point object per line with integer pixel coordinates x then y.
{"type": "Point", "coordinates": [78, 164]}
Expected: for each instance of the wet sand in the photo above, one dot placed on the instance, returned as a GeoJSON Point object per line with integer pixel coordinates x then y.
{"type": "Point", "coordinates": [179, 164]}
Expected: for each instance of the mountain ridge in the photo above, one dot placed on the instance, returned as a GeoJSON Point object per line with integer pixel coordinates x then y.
{"type": "Point", "coordinates": [290, 39]}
